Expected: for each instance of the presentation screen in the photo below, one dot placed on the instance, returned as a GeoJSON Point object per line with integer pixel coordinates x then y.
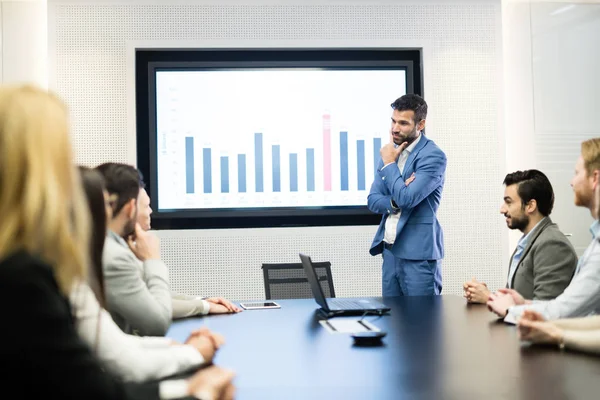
{"type": "Point", "coordinates": [268, 141]}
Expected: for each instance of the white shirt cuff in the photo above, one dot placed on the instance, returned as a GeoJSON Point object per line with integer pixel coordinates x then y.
{"type": "Point", "coordinates": [177, 389]}
{"type": "Point", "coordinates": [206, 307]}
{"type": "Point", "coordinates": [205, 304]}
{"type": "Point", "coordinates": [173, 389]}
{"type": "Point", "coordinates": [510, 318]}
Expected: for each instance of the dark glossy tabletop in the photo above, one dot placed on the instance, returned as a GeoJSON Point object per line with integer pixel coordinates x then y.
{"type": "Point", "coordinates": [436, 348]}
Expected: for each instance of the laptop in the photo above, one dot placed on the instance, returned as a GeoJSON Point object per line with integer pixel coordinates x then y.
{"type": "Point", "coordinates": [337, 306]}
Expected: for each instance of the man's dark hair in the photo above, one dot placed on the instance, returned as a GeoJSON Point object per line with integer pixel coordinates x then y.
{"type": "Point", "coordinates": [412, 102]}
{"type": "Point", "coordinates": [142, 183]}
{"type": "Point", "coordinates": [122, 180]}
{"type": "Point", "coordinates": [533, 185]}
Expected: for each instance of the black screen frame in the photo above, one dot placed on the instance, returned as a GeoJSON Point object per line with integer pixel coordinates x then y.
{"type": "Point", "coordinates": [148, 61]}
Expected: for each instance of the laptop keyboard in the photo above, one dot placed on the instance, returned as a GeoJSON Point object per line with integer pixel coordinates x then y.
{"type": "Point", "coordinates": [344, 304]}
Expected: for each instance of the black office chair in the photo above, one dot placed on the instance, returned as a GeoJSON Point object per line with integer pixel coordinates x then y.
{"type": "Point", "coordinates": [288, 281]}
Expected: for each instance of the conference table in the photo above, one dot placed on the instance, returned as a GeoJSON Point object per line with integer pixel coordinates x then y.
{"type": "Point", "coordinates": [436, 347]}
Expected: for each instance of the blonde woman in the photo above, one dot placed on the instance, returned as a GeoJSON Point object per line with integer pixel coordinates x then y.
{"type": "Point", "coordinates": [44, 236]}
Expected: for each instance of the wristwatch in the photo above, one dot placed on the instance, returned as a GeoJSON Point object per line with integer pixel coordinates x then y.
{"type": "Point", "coordinates": [561, 342]}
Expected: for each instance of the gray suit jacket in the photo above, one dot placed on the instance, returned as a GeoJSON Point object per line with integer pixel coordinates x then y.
{"type": "Point", "coordinates": [547, 264]}
{"type": "Point", "coordinates": [137, 293]}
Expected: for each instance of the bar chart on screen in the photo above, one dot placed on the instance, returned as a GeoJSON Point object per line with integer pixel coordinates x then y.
{"type": "Point", "coordinates": [274, 149]}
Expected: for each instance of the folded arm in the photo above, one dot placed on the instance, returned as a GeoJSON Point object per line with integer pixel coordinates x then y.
{"type": "Point", "coordinates": [429, 174]}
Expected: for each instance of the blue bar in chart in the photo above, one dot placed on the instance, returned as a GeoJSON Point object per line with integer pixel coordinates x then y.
{"type": "Point", "coordinates": [206, 162]}
{"type": "Point", "coordinates": [293, 172]}
{"type": "Point", "coordinates": [276, 168]}
{"type": "Point", "coordinates": [360, 164]}
{"type": "Point", "coordinates": [258, 162]}
{"type": "Point", "coordinates": [376, 156]}
{"type": "Point", "coordinates": [242, 173]}
{"type": "Point", "coordinates": [189, 165]}
{"type": "Point", "coordinates": [271, 166]}
{"type": "Point", "coordinates": [224, 174]}
{"type": "Point", "coordinates": [344, 160]}
{"type": "Point", "coordinates": [310, 170]}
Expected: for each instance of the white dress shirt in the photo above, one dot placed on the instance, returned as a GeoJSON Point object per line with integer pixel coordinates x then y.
{"type": "Point", "coordinates": [391, 223]}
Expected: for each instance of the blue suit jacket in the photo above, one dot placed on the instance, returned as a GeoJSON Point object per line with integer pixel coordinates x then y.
{"type": "Point", "coordinates": [419, 235]}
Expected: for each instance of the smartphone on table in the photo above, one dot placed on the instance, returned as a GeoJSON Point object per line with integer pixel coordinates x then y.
{"type": "Point", "coordinates": [259, 305]}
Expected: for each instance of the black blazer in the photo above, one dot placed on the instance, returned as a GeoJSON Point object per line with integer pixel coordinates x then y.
{"type": "Point", "coordinates": [41, 353]}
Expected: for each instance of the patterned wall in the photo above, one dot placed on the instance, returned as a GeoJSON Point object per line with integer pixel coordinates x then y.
{"type": "Point", "coordinates": [91, 42]}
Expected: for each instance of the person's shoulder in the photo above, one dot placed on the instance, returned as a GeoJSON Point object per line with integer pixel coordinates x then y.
{"type": "Point", "coordinates": [432, 149]}
{"type": "Point", "coordinates": [595, 246]}
{"type": "Point", "coordinates": [117, 258]}
{"type": "Point", "coordinates": [591, 258]}
{"type": "Point", "coordinates": [115, 253]}
{"type": "Point", "coordinates": [552, 233]}
{"type": "Point", "coordinates": [114, 247]}
{"type": "Point", "coordinates": [23, 263]}
{"type": "Point", "coordinates": [22, 269]}
{"type": "Point", "coordinates": [112, 243]}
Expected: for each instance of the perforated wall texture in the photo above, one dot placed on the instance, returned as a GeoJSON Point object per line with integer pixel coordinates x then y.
{"type": "Point", "coordinates": [90, 51]}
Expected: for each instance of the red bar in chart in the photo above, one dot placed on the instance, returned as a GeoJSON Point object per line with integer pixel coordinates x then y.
{"type": "Point", "coordinates": [327, 152]}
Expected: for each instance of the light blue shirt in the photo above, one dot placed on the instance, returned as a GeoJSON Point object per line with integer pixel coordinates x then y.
{"type": "Point", "coordinates": [581, 298]}
{"type": "Point", "coordinates": [595, 231]}
{"type": "Point", "coordinates": [517, 256]}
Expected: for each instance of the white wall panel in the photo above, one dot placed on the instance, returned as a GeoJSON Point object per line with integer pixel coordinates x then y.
{"type": "Point", "coordinates": [24, 45]}
{"type": "Point", "coordinates": [89, 53]}
{"type": "Point", "coordinates": [566, 82]}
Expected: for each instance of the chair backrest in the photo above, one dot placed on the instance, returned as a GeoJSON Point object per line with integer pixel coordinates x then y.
{"type": "Point", "coordinates": [288, 281]}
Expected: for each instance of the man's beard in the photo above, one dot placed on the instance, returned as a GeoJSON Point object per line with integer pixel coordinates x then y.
{"type": "Point", "coordinates": [581, 199]}
{"type": "Point", "coordinates": [129, 228]}
{"type": "Point", "coordinates": [409, 138]}
{"type": "Point", "coordinates": [519, 223]}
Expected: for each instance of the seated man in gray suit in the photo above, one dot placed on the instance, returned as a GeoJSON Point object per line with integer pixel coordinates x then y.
{"type": "Point", "coordinates": [183, 305]}
{"type": "Point", "coordinates": [136, 285]}
{"type": "Point", "coordinates": [544, 261]}
{"type": "Point", "coordinates": [582, 296]}
{"type": "Point", "coordinates": [136, 281]}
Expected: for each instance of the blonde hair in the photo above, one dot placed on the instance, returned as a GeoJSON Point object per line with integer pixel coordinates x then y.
{"type": "Point", "coordinates": [42, 205]}
{"type": "Point", "coordinates": [590, 152]}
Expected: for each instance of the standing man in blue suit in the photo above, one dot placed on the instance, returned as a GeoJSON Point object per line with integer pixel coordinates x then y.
{"type": "Point", "coordinates": [407, 191]}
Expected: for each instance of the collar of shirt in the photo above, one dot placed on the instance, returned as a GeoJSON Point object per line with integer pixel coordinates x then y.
{"type": "Point", "coordinates": [595, 229]}
{"type": "Point", "coordinates": [412, 146]}
{"type": "Point", "coordinates": [523, 241]}
{"type": "Point", "coordinates": [118, 238]}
